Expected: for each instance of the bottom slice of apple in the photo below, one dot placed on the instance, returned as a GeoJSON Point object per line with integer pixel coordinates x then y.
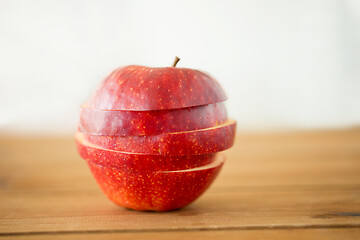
{"type": "Point", "coordinates": [155, 190]}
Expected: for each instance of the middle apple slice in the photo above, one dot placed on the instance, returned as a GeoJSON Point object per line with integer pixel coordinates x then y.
{"type": "Point", "coordinates": [196, 142]}
{"type": "Point", "coordinates": [136, 123]}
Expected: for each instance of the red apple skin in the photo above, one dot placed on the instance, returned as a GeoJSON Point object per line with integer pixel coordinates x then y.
{"type": "Point", "coordinates": [140, 88]}
{"type": "Point", "coordinates": [136, 123]}
{"type": "Point", "coordinates": [140, 162]}
{"type": "Point", "coordinates": [153, 191]}
{"type": "Point", "coordinates": [197, 142]}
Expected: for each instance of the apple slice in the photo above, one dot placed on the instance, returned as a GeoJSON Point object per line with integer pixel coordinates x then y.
{"type": "Point", "coordinates": [139, 88]}
{"type": "Point", "coordinates": [154, 190]}
{"type": "Point", "coordinates": [135, 123]}
{"type": "Point", "coordinates": [138, 162]}
{"type": "Point", "coordinates": [197, 142]}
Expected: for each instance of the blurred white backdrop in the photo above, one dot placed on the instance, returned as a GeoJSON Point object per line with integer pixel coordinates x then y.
{"type": "Point", "coordinates": [284, 64]}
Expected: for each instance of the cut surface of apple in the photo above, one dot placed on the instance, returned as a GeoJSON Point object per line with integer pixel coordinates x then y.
{"type": "Point", "coordinates": [135, 123]}
{"type": "Point", "coordinates": [144, 88]}
{"type": "Point", "coordinates": [197, 142]}
{"type": "Point", "coordinates": [139, 162]}
{"type": "Point", "coordinates": [155, 190]}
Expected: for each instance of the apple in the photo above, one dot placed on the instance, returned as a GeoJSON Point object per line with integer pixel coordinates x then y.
{"type": "Point", "coordinates": [151, 136]}
{"type": "Point", "coordinates": [138, 162]}
{"type": "Point", "coordinates": [155, 190]}
{"type": "Point", "coordinates": [141, 88]}
{"type": "Point", "coordinates": [196, 142]}
{"type": "Point", "coordinates": [135, 123]}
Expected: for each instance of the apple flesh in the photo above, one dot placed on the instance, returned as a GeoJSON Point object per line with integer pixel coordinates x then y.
{"type": "Point", "coordinates": [142, 88]}
{"type": "Point", "coordinates": [154, 190]}
{"type": "Point", "coordinates": [135, 123]}
{"type": "Point", "coordinates": [138, 162]}
{"type": "Point", "coordinates": [197, 142]}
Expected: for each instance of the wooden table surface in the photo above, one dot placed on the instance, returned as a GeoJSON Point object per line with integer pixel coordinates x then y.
{"type": "Point", "coordinates": [299, 185]}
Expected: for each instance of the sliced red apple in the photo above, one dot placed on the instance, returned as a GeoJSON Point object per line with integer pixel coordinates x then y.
{"type": "Point", "coordinates": [197, 142]}
{"type": "Point", "coordinates": [154, 190]}
{"type": "Point", "coordinates": [135, 123]}
{"type": "Point", "coordinates": [138, 162]}
{"type": "Point", "coordinates": [143, 88]}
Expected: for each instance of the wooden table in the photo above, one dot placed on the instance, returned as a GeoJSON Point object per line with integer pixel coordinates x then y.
{"type": "Point", "coordinates": [299, 185]}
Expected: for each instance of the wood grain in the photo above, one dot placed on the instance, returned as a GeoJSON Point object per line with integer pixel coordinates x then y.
{"type": "Point", "coordinates": [227, 209]}
{"type": "Point", "coordinates": [283, 185]}
{"type": "Point", "coordinates": [249, 234]}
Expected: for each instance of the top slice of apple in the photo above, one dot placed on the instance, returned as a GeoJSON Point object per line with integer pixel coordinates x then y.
{"type": "Point", "coordinates": [138, 88]}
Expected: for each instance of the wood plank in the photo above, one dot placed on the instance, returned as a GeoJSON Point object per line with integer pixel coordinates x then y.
{"type": "Point", "coordinates": [256, 160]}
{"type": "Point", "coordinates": [250, 234]}
{"type": "Point", "coordinates": [238, 171]}
{"type": "Point", "coordinates": [218, 209]}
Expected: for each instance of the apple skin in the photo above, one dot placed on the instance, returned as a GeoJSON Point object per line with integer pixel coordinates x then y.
{"type": "Point", "coordinates": [139, 162]}
{"type": "Point", "coordinates": [197, 142]}
{"type": "Point", "coordinates": [136, 123]}
{"type": "Point", "coordinates": [139, 88]}
{"type": "Point", "coordinates": [155, 190]}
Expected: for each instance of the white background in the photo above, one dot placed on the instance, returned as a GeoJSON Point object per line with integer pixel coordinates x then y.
{"type": "Point", "coordinates": [284, 64]}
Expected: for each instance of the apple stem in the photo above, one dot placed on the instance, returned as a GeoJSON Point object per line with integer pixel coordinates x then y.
{"type": "Point", "coordinates": [176, 61]}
